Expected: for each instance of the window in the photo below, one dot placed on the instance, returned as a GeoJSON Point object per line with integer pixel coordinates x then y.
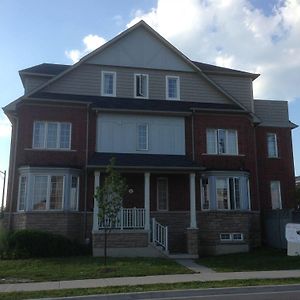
{"type": "Point", "coordinates": [74, 192]}
{"type": "Point", "coordinates": [22, 192]}
{"type": "Point", "coordinates": [205, 193]}
{"type": "Point", "coordinates": [142, 137]}
{"type": "Point", "coordinates": [272, 145]}
{"type": "Point", "coordinates": [228, 193]}
{"type": "Point", "coordinates": [108, 84]}
{"type": "Point", "coordinates": [231, 237]}
{"type": "Point", "coordinates": [140, 86]}
{"type": "Point", "coordinates": [276, 195]}
{"type": "Point", "coordinates": [51, 135]}
{"type": "Point", "coordinates": [172, 88]}
{"type": "Point", "coordinates": [162, 194]}
{"type": "Point", "coordinates": [48, 191]}
{"type": "Point", "coordinates": [221, 141]}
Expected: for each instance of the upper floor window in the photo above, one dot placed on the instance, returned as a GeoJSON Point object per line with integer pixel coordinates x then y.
{"type": "Point", "coordinates": [142, 137]}
{"type": "Point", "coordinates": [172, 88]}
{"type": "Point", "coordinates": [275, 194]}
{"type": "Point", "coordinates": [140, 85]}
{"type": "Point", "coordinates": [108, 86]}
{"type": "Point", "coordinates": [51, 135]}
{"type": "Point", "coordinates": [272, 145]}
{"type": "Point", "coordinates": [221, 141]}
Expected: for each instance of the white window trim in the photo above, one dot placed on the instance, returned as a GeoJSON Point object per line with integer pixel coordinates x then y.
{"type": "Point", "coordinates": [157, 198]}
{"type": "Point", "coordinates": [19, 193]}
{"type": "Point", "coordinates": [114, 83]}
{"type": "Point", "coordinates": [167, 87]}
{"type": "Point", "coordinates": [231, 235]}
{"type": "Point", "coordinates": [44, 146]}
{"type": "Point", "coordinates": [134, 84]}
{"type": "Point", "coordinates": [216, 133]}
{"type": "Point", "coordinates": [280, 196]}
{"type": "Point", "coordinates": [276, 145]}
{"type": "Point", "coordinates": [147, 136]}
{"type": "Point", "coordinates": [48, 192]}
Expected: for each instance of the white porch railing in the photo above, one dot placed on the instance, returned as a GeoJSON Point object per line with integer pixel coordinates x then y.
{"type": "Point", "coordinates": [159, 236]}
{"type": "Point", "coordinates": [128, 218]}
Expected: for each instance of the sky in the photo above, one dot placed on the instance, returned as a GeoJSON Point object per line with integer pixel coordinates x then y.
{"type": "Point", "coordinates": [251, 35]}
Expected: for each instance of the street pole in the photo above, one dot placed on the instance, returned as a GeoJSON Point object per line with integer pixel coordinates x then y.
{"type": "Point", "coordinates": [3, 191]}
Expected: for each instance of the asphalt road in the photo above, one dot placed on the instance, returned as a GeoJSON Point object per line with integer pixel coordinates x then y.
{"type": "Point", "coordinates": [258, 293]}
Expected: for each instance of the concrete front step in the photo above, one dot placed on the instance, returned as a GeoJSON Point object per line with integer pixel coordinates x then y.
{"type": "Point", "coordinates": [183, 256]}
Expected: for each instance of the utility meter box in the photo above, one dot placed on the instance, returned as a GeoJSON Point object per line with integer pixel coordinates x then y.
{"type": "Point", "coordinates": [292, 235]}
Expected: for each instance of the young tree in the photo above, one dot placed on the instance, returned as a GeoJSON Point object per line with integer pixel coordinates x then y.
{"type": "Point", "coordinates": [109, 197]}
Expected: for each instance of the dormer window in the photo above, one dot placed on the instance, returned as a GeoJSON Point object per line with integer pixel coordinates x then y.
{"type": "Point", "coordinates": [108, 84]}
{"type": "Point", "coordinates": [140, 85]}
{"type": "Point", "coordinates": [172, 88]}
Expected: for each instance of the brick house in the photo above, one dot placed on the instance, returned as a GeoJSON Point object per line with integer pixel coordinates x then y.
{"type": "Point", "coordinates": [201, 157]}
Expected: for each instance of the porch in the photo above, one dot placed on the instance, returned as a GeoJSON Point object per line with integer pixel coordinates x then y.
{"type": "Point", "coordinates": [142, 226]}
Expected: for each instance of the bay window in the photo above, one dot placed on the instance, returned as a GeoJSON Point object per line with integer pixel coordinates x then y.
{"type": "Point", "coordinates": [225, 190]}
{"type": "Point", "coordinates": [48, 189]}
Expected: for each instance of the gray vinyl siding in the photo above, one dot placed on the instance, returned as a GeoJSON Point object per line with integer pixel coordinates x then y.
{"type": "Point", "coordinates": [32, 82]}
{"type": "Point", "coordinates": [141, 49]}
{"type": "Point", "coordinates": [117, 133]}
{"type": "Point", "coordinates": [86, 80]}
{"type": "Point", "coordinates": [237, 86]}
{"type": "Point", "coordinates": [272, 113]}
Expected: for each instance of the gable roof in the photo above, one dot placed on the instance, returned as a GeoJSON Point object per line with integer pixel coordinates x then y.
{"type": "Point", "coordinates": [55, 69]}
{"type": "Point", "coordinates": [45, 69]}
{"type": "Point", "coordinates": [196, 66]}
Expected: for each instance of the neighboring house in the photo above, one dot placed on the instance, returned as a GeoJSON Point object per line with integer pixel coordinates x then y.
{"type": "Point", "coordinates": [297, 181]}
{"type": "Point", "coordinates": [199, 154]}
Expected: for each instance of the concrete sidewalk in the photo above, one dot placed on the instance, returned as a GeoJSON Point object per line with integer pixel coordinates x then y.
{"type": "Point", "coordinates": [121, 281]}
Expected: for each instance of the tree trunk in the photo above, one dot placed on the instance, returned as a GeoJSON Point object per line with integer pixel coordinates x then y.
{"type": "Point", "coordinates": [105, 245]}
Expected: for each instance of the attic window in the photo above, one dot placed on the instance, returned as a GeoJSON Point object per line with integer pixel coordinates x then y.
{"type": "Point", "coordinates": [140, 85]}
{"type": "Point", "coordinates": [172, 88]}
{"type": "Point", "coordinates": [108, 84]}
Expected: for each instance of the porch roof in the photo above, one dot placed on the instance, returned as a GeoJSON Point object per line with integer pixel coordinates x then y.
{"type": "Point", "coordinates": [144, 161]}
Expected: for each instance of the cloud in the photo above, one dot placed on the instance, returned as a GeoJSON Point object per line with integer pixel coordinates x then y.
{"type": "Point", "coordinates": [5, 126]}
{"type": "Point", "coordinates": [91, 42]}
{"type": "Point", "coordinates": [234, 33]}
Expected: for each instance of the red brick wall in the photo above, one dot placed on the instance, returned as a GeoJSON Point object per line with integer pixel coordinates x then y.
{"type": "Point", "coordinates": [246, 160]}
{"type": "Point", "coordinates": [28, 113]}
{"type": "Point", "coordinates": [281, 168]}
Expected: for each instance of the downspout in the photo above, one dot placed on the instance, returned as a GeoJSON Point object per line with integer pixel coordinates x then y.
{"type": "Point", "coordinates": [16, 131]}
{"type": "Point", "coordinates": [85, 171]}
{"type": "Point", "coordinates": [193, 137]}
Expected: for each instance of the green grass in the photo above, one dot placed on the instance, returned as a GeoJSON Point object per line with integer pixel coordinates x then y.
{"type": "Point", "coordinates": [55, 269]}
{"type": "Point", "coordinates": [264, 259]}
{"type": "Point", "coordinates": [145, 288]}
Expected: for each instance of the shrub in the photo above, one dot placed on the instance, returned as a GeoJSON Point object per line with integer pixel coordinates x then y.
{"type": "Point", "coordinates": [35, 243]}
{"type": "Point", "coordinates": [3, 242]}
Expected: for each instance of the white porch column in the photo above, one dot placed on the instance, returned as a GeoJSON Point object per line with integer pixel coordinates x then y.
{"type": "Point", "coordinates": [193, 221]}
{"type": "Point", "coordinates": [147, 200]}
{"type": "Point", "coordinates": [95, 214]}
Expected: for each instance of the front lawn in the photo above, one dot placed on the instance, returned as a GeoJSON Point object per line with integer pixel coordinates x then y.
{"type": "Point", "coordinates": [264, 259]}
{"type": "Point", "coordinates": [71, 268]}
